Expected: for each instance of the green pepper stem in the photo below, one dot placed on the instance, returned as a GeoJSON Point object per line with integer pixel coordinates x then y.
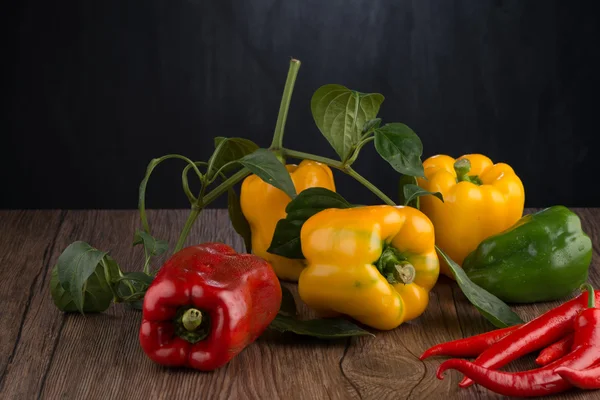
{"type": "Point", "coordinates": [286, 98]}
{"type": "Point", "coordinates": [591, 294]}
{"type": "Point", "coordinates": [192, 319]}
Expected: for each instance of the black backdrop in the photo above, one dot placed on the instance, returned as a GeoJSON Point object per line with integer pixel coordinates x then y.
{"type": "Point", "coordinates": [96, 89]}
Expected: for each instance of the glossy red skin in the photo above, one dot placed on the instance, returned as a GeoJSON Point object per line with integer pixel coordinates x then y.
{"type": "Point", "coordinates": [468, 347]}
{"type": "Point", "coordinates": [534, 335]}
{"type": "Point", "coordinates": [555, 351]}
{"type": "Point", "coordinates": [585, 379]}
{"type": "Point", "coordinates": [240, 292]}
{"type": "Point", "coordinates": [541, 381]}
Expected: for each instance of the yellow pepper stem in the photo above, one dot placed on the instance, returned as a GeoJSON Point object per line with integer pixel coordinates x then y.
{"type": "Point", "coordinates": [462, 168]}
{"type": "Point", "coordinates": [394, 266]}
{"type": "Point", "coordinates": [404, 272]}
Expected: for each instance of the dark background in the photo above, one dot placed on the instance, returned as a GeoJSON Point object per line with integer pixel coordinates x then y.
{"type": "Point", "coordinates": [95, 89]}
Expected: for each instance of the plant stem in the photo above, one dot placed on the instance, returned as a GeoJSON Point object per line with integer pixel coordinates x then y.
{"type": "Point", "coordinates": [369, 185]}
{"type": "Point", "coordinates": [186, 228]}
{"type": "Point", "coordinates": [344, 168]}
{"type": "Point", "coordinates": [224, 186]}
{"type": "Point", "coordinates": [205, 200]}
{"type": "Point", "coordinates": [305, 156]}
{"type": "Point", "coordinates": [286, 98]}
{"type": "Point", "coordinates": [356, 151]}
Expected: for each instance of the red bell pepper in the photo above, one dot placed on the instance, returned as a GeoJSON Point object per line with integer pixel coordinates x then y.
{"type": "Point", "coordinates": [206, 304]}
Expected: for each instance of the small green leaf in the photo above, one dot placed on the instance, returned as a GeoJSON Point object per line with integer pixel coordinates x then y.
{"type": "Point", "coordinates": [286, 238]}
{"type": "Point", "coordinates": [491, 307]}
{"type": "Point", "coordinates": [97, 295]}
{"type": "Point", "coordinates": [328, 328]}
{"type": "Point", "coordinates": [401, 147]}
{"type": "Point", "coordinates": [114, 272]}
{"type": "Point", "coordinates": [371, 124]}
{"type": "Point", "coordinates": [408, 180]}
{"type": "Point", "coordinates": [288, 304]}
{"type": "Point", "coordinates": [137, 277]}
{"type": "Point", "coordinates": [267, 167]}
{"type": "Point", "coordinates": [413, 192]}
{"type": "Point", "coordinates": [228, 150]}
{"type": "Point", "coordinates": [238, 220]}
{"type": "Point", "coordinates": [341, 114]}
{"type": "Point", "coordinates": [152, 246]}
{"type": "Point", "coordinates": [74, 266]}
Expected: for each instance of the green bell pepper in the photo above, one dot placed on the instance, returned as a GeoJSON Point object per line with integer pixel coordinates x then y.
{"type": "Point", "coordinates": [544, 256]}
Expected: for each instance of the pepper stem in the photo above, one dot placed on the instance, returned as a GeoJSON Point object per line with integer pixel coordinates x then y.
{"type": "Point", "coordinates": [462, 168]}
{"type": "Point", "coordinates": [404, 272]}
{"type": "Point", "coordinates": [395, 267]}
{"type": "Point", "coordinates": [591, 294]}
{"type": "Point", "coordinates": [191, 319]}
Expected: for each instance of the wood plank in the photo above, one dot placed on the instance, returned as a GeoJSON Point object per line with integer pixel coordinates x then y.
{"type": "Point", "coordinates": [26, 245]}
{"type": "Point", "coordinates": [98, 356]}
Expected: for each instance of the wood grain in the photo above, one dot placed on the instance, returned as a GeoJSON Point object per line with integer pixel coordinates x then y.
{"type": "Point", "coordinates": [46, 354]}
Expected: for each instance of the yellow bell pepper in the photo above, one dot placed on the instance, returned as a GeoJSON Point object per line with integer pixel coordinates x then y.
{"type": "Point", "coordinates": [375, 264]}
{"type": "Point", "coordinates": [481, 199]}
{"type": "Point", "coordinates": [263, 205]}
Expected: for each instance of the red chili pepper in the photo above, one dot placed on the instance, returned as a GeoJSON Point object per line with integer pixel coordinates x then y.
{"type": "Point", "coordinates": [585, 379]}
{"type": "Point", "coordinates": [555, 351]}
{"type": "Point", "coordinates": [541, 381]}
{"type": "Point", "coordinates": [468, 347]}
{"type": "Point", "coordinates": [206, 304]}
{"type": "Point", "coordinates": [534, 335]}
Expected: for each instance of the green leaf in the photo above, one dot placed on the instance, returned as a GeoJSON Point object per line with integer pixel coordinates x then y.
{"type": "Point", "coordinates": [412, 192]}
{"type": "Point", "coordinates": [491, 307]}
{"type": "Point", "coordinates": [341, 114]}
{"type": "Point", "coordinates": [74, 267]}
{"type": "Point", "coordinates": [408, 180]}
{"type": "Point", "coordinates": [137, 277]}
{"type": "Point", "coordinates": [97, 294]}
{"type": "Point", "coordinates": [327, 328]}
{"type": "Point", "coordinates": [286, 238]}
{"type": "Point", "coordinates": [152, 246]}
{"type": "Point", "coordinates": [288, 304]}
{"type": "Point", "coordinates": [401, 147]}
{"type": "Point", "coordinates": [228, 150]}
{"type": "Point", "coordinates": [238, 220]}
{"type": "Point", "coordinates": [371, 124]}
{"type": "Point", "coordinates": [267, 167]}
{"type": "Point", "coordinates": [114, 272]}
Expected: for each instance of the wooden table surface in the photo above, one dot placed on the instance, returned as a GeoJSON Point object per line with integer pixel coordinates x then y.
{"type": "Point", "coordinates": [47, 354]}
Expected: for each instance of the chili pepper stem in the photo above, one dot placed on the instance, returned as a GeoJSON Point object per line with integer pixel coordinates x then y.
{"type": "Point", "coordinates": [591, 294]}
{"type": "Point", "coordinates": [192, 319]}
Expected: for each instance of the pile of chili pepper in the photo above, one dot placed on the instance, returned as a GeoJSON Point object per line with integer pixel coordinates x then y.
{"type": "Point", "coordinates": [568, 335]}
